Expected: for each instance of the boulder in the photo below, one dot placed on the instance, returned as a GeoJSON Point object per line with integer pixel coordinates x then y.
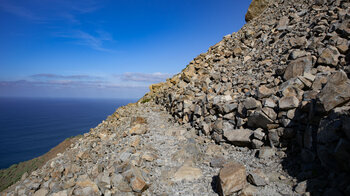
{"type": "Point", "coordinates": [237, 51]}
{"type": "Point", "coordinates": [256, 144]}
{"type": "Point", "coordinates": [229, 107]}
{"type": "Point", "coordinates": [238, 137]}
{"type": "Point", "coordinates": [288, 102]}
{"type": "Point", "coordinates": [329, 56]}
{"type": "Point", "coordinates": [257, 178]}
{"type": "Point", "coordinates": [41, 192]}
{"type": "Point", "coordinates": [187, 173]}
{"type": "Point", "coordinates": [155, 87]}
{"type": "Point", "coordinates": [259, 119]}
{"type": "Point", "coordinates": [87, 186]}
{"type": "Point", "coordinates": [269, 103]}
{"type": "Point", "coordinates": [256, 8]}
{"type": "Point", "coordinates": [297, 67]}
{"type": "Point", "coordinates": [251, 103]}
{"type": "Point", "coordinates": [263, 92]}
{"type": "Point", "coordinates": [258, 134]}
{"type": "Point", "coordinates": [232, 178]}
{"type": "Point", "coordinates": [336, 92]}
{"type": "Point", "coordinates": [138, 184]}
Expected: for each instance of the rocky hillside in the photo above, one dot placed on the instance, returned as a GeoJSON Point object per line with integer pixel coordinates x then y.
{"type": "Point", "coordinates": [281, 81]}
{"type": "Point", "coordinates": [264, 112]}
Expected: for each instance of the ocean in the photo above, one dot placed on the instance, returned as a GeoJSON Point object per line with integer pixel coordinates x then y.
{"type": "Point", "coordinates": [30, 127]}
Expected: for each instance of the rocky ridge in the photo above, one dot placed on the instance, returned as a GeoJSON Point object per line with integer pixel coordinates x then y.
{"type": "Point", "coordinates": [264, 112]}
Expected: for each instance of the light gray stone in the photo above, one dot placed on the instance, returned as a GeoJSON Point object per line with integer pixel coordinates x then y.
{"type": "Point", "coordinates": [288, 102]}
{"type": "Point", "coordinates": [239, 137]}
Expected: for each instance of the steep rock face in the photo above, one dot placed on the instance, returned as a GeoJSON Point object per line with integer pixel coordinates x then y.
{"type": "Point", "coordinates": [256, 8]}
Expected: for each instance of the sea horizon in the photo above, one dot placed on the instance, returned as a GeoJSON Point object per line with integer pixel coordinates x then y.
{"type": "Point", "coordinates": [31, 126]}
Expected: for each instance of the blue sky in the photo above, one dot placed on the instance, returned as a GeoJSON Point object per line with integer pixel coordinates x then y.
{"type": "Point", "coordinates": [105, 48]}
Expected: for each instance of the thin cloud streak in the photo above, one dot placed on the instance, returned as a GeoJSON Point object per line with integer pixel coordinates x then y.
{"type": "Point", "coordinates": [57, 9]}
{"type": "Point", "coordinates": [82, 7]}
{"type": "Point", "coordinates": [144, 77]}
{"type": "Point", "coordinates": [68, 11]}
{"type": "Point", "coordinates": [20, 12]}
{"type": "Point", "coordinates": [47, 84]}
{"type": "Point", "coordinates": [69, 84]}
{"type": "Point", "coordinates": [56, 76]}
{"type": "Point", "coordinates": [95, 42]}
{"type": "Point", "coordinates": [127, 84]}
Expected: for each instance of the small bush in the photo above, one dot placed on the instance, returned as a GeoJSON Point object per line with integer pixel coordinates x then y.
{"type": "Point", "coordinates": [146, 100]}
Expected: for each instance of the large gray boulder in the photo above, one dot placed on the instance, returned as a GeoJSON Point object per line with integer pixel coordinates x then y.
{"type": "Point", "coordinates": [336, 92]}
{"type": "Point", "coordinates": [238, 137]}
{"type": "Point", "coordinates": [297, 67]}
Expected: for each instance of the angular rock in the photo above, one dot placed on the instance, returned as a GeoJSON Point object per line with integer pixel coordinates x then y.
{"type": "Point", "coordinates": [336, 92]}
{"type": "Point", "coordinates": [259, 134]}
{"type": "Point", "coordinates": [60, 193]}
{"type": "Point", "coordinates": [251, 103]}
{"type": "Point", "coordinates": [259, 119]}
{"type": "Point", "coordinates": [149, 156]}
{"type": "Point", "coordinates": [249, 190]}
{"type": "Point", "coordinates": [263, 92]}
{"type": "Point", "coordinates": [229, 107]}
{"type": "Point", "coordinates": [119, 182]}
{"type": "Point", "coordinates": [256, 8]}
{"type": "Point", "coordinates": [187, 173]}
{"type": "Point", "coordinates": [238, 137]}
{"type": "Point", "coordinates": [269, 103]}
{"type": "Point", "coordinates": [257, 178]}
{"type": "Point", "coordinates": [138, 184]}
{"type": "Point", "coordinates": [329, 56]}
{"type": "Point", "coordinates": [256, 144]}
{"type": "Point", "coordinates": [298, 67]}
{"type": "Point", "coordinates": [297, 54]}
{"type": "Point", "coordinates": [88, 187]}
{"type": "Point", "coordinates": [41, 192]}
{"type": "Point", "coordinates": [301, 187]}
{"type": "Point", "coordinates": [273, 137]}
{"type": "Point", "coordinates": [270, 113]}
{"type": "Point", "coordinates": [232, 178]}
{"type": "Point", "coordinates": [138, 129]}
{"type": "Point", "coordinates": [289, 102]}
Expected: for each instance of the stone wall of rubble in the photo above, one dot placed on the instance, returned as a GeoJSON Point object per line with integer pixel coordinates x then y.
{"type": "Point", "coordinates": [281, 81]}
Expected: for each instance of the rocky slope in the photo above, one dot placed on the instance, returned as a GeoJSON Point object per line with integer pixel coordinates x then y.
{"type": "Point", "coordinates": [14, 173]}
{"type": "Point", "coordinates": [264, 112]}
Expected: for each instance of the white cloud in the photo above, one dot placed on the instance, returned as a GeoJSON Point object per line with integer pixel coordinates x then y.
{"type": "Point", "coordinates": [94, 41]}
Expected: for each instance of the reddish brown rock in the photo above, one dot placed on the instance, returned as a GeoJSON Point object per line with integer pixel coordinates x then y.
{"type": "Point", "coordinates": [232, 178]}
{"type": "Point", "coordinates": [256, 8]}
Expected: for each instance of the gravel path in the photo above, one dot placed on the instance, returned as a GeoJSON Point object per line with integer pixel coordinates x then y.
{"type": "Point", "coordinates": [139, 149]}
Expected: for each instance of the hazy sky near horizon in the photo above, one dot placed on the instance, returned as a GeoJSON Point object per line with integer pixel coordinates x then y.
{"type": "Point", "coordinates": [105, 48]}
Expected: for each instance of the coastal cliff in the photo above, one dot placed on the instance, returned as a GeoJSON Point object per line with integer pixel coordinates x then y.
{"type": "Point", "coordinates": [265, 111]}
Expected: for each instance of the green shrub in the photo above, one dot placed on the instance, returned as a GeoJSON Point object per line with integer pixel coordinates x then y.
{"type": "Point", "coordinates": [146, 100]}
